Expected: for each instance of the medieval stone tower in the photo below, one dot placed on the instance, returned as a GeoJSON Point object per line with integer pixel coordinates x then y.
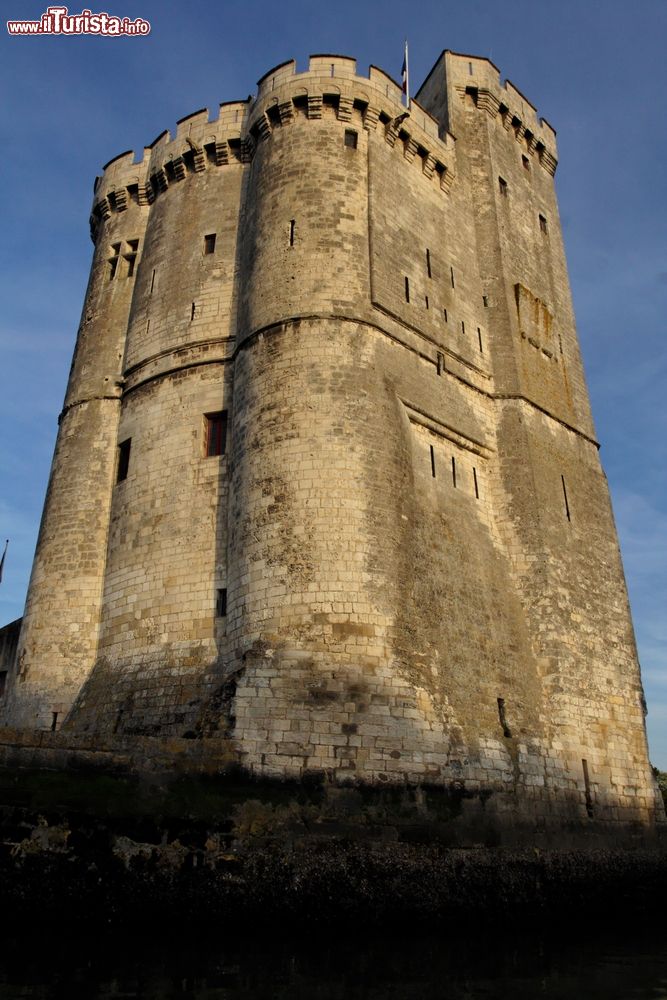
{"type": "Point", "coordinates": [326, 485]}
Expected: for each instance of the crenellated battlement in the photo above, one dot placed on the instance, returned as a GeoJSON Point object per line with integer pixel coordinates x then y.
{"type": "Point", "coordinates": [330, 84]}
{"type": "Point", "coordinates": [478, 78]}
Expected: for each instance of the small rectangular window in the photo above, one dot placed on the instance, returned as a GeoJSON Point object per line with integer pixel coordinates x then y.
{"type": "Point", "coordinates": [209, 243]}
{"type": "Point", "coordinates": [123, 460]}
{"type": "Point", "coordinates": [221, 602]}
{"type": "Point", "coordinates": [351, 138]}
{"type": "Point", "coordinates": [526, 162]}
{"type": "Point", "coordinates": [216, 433]}
{"type": "Point", "coordinates": [131, 256]}
{"type": "Point", "coordinates": [543, 223]}
{"type": "Point", "coordinates": [113, 260]}
{"type": "Point", "coordinates": [502, 185]}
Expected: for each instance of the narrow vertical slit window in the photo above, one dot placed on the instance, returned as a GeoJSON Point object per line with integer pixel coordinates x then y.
{"type": "Point", "coordinates": [131, 256]}
{"type": "Point", "coordinates": [407, 289]}
{"type": "Point", "coordinates": [543, 224]}
{"type": "Point", "coordinates": [123, 466]}
{"type": "Point", "coordinates": [432, 461]}
{"type": "Point", "coordinates": [428, 263]}
{"type": "Point", "coordinates": [152, 282]}
{"type": "Point", "coordinates": [445, 314]}
{"type": "Point", "coordinates": [215, 441]}
{"type": "Point", "coordinates": [587, 788]}
{"type": "Point", "coordinates": [502, 187]}
{"type": "Point", "coordinates": [54, 721]}
{"type": "Point", "coordinates": [209, 243]}
{"type": "Point", "coordinates": [475, 482]}
{"type": "Point", "coordinates": [567, 504]}
{"type": "Point", "coordinates": [441, 362]}
{"type": "Point", "coordinates": [485, 301]}
{"type": "Point", "coordinates": [113, 260]}
{"type": "Point", "coordinates": [292, 229]}
{"type": "Point", "coordinates": [3, 683]}
{"type": "Point", "coordinates": [221, 602]}
{"type": "Point", "coordinates": [454, 471]}
{"type": "Point", "coordinates": [479, 338]}
{"type": "Point", "coordinates": [426, 301]}
{"type": "Point", "coordinates": [525, 161]}
{"type": "Point", "coordinates": [451, 275]}
{"type": "Point", "coordinates": [502, 716]}
{"type": "Point", "coordinates": [193, 311]}
{"type": "Point", "coordinates": [463, 327]}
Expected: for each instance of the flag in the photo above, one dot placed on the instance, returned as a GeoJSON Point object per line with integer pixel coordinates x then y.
{"type": "Point", "coordinates": [2, 561]}
{"type": "Point", "coordinates": [405, 77]}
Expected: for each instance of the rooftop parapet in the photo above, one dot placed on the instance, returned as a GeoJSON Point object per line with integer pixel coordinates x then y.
{"type": "Point", "coordinates": [240, 125]}
{"type": "Point", "coordinates": [479, 76]}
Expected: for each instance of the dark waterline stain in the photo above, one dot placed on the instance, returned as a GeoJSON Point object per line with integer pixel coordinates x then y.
{"type": "Point", "coordinates": [337, 965]}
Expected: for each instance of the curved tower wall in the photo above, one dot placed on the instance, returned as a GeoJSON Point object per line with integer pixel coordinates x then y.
{"type": "Point", "coordinates": [404, 567]}
{"type": "Point", "coordinates": [161, 641]}
{"type": "Point", "coordinates": [60, 627]}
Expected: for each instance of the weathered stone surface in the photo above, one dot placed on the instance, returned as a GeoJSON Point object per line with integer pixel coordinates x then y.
{"type": "Point", "coordinates": [410, 524]}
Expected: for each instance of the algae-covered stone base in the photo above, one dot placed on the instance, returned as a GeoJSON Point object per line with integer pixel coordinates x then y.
{"type": "Point", "coordinates": [97, 846]}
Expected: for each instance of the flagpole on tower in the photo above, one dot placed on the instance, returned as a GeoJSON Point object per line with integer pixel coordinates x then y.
{"type": "Point", "coordinates": [406, 76]}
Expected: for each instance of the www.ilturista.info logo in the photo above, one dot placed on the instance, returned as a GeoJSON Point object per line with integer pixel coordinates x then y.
{"type": "Point", "coordinates": [57, 21]}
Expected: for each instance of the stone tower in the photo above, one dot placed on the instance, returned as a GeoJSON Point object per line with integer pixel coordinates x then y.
{"type": "Point", "coordinates": [326, 485]}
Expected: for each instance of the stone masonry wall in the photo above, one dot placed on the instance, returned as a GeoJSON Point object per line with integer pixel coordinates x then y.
{"type": "Point", "coordinates": [404, 566]}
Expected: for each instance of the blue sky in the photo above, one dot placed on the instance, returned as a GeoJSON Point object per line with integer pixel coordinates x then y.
{"type": "Point", "coordinates": [596, 69]}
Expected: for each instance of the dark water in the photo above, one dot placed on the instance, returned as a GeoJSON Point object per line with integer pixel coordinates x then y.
{"type": "Point", "coordinates": [336, 964]}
